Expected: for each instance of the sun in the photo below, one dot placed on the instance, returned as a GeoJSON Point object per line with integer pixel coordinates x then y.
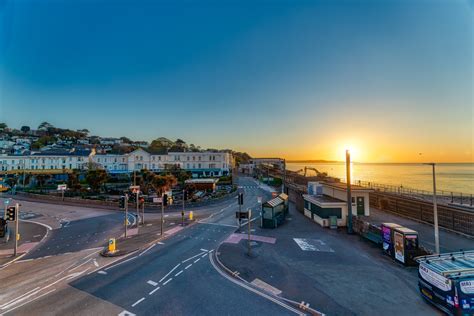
{"type": "Point", "coordinates": [353, 150]}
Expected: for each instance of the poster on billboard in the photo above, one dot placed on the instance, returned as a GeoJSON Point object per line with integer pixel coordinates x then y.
{"type": "Point", "coordinates": [386, 232]}
{"type": "Point", "coordinates": [399, 251]}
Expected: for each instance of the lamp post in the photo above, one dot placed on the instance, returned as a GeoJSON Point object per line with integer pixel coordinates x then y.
{"type": "Point", "coordinates": [349, 196]}
{"type": "Point", "coordinates": [435, 208]}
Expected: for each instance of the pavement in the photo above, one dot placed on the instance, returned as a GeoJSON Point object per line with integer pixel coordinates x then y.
{"type": "Point", "coordinates": [174, 276]}
{"type": "Point", "coordinates": [448, 241]}
{"type": "Point", "coordinates": [333, 272]}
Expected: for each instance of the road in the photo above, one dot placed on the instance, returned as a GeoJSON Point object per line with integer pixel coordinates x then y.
{"type": "Point", "coordinates": [173, 277]}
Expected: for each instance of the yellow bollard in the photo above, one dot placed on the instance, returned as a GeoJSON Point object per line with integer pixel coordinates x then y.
{"type": "Point", "coordinates": [17, 236]}
{"type": "Point", "coordinates": [191, 215]}
{"type": "Point", "coordinates": [112, 245]}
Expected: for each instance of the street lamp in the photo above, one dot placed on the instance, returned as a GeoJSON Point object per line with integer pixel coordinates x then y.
{"type": "Point", "coordinates": [349, 196]}
{"type": "Point", "coordinates": [435, 208]}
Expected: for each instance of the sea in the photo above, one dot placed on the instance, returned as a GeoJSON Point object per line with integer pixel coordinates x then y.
{"type": "Point", "coordinates": [450, 177]}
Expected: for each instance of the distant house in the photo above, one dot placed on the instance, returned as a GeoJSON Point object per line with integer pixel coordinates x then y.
{"type": "Point", "coordinates": [110, 141]}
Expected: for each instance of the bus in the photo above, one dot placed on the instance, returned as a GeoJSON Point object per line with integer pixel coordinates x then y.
{"type": "Point", "coordinates": [447, 281]}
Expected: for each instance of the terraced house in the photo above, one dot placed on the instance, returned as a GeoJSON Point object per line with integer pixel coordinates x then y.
{"type": "Point", "coordinates": [201, 164]}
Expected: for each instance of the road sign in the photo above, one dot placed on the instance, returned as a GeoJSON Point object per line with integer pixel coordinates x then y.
{"type": "Point", "coordinates": [62, 187]}
{"type": "Point", "coordinates": [157, 200]}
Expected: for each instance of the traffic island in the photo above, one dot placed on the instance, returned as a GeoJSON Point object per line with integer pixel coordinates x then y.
{"type": "Point", "coordinates": [141, 238]}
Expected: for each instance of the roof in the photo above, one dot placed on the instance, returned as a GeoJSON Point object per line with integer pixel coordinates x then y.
{"type": "Point", "coordinates": [456, 264]}
{"type": "Point", "coordinates": [406, 230]}
{"type": "Point", "coordinates": [274, 202]}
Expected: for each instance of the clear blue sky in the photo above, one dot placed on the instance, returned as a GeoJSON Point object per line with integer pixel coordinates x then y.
{"type": "Point", "coordinates": [290, 78]}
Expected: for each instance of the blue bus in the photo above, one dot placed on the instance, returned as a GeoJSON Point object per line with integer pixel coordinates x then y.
{"type": "Point", "coordinates": [447, 281]}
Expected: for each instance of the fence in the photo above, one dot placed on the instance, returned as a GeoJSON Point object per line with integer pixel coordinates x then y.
{"type": "Point", "coordinates": [450, 217]}
{"type": "Point", "coordinates": [443, 197]}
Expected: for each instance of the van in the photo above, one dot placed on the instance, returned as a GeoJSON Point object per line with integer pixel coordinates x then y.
{"type": "Point", "coordinates": [447, 281]}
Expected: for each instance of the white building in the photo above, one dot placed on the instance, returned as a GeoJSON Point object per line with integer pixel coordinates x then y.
{"type": "Point", "coordinates": [327, 199]}
{"type": "Point", "coordinates": [201, 164]}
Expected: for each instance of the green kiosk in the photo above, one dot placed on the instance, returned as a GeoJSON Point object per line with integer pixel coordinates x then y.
{"type": "Point", "coordinates": [274, 211]}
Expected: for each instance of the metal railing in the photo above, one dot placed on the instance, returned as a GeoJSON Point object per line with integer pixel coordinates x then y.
{"type": "Point", "coordinates": [445, 197]}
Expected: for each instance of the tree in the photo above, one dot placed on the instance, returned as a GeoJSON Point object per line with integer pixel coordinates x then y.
{"type": "Point", "coordinates": [41, 180]}
{"type": "Point", "coordinates": [162, 183]}
{"type": "Point", "coordinates": [125, 140]}
{"type": "Point", "coordinates": [25, 129]}
{"type": "Point", "coordinates": [3, 127]}
{"type": "Point", "coordinates": [44, 126]}
{"type": "Point", "coordinates": [73, 183]}
{"type": "Point", "coordinates": [96, 178]}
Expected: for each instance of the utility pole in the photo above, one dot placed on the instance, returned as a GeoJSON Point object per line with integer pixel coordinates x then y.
{"type": "Point", "coordinates": [435, 209]}
{"type": "Point", "coordinates": [284, 176]}
{"type": "Point", "coordinates": [162, 212]}
{"type": "Point", "coordinates": [126, 213]}
{"type": "Point", "coordinates": [349, 196]}
{"type": "Point", "coordinates": [17, 234]}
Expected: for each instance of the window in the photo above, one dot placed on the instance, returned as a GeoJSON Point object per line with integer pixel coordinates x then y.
{"type": "Point", "coordinates": [199, 166]}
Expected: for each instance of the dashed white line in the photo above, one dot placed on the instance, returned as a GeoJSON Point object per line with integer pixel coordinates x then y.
{"type": "Point", "coordinates": [188, 266]}
{"type": "Point", "coordinates": [138, 302]}
{"type": "Point", "coordinates": [120, 263]}
{"type": "Point", "coordinates": [193, 257]}
{"type": "Point", "coordinates": [167, 281]}
{"type": "Point", "coordinates": [202, 249]}
{"type": "Point", "coordinates": [154, 291]}
{"type": "Point", "coordinates": [169, 272]}
{"type": "Point", "coordinates": [152, 283]}
{"type": "Point", "coordinates": [197, 260]}
{"type": "Point", "coordinates": [178, 273]}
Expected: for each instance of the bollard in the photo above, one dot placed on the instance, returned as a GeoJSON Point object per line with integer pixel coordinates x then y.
{"type": "Point", "coordinates": [112, 245]}
{"type": "Point", "coordinates": [191, 215]}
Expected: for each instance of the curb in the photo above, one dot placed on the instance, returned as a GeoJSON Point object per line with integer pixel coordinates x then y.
{"type": "Point", "coordinates": [232, 274]}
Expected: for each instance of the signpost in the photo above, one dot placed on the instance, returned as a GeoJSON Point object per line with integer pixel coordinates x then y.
{"type": "Point", "coordinates": [62, 188]}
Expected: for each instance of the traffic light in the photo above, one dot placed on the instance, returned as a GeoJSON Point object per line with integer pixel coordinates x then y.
{"type": "Point", "coordinates": [11, 213]}
{"type": "Point", "coordinates": [165, 199]}
{"type": "Point", "coordinates": [122, 202]}
{"type": "Point", "coordinates": [241, 198]}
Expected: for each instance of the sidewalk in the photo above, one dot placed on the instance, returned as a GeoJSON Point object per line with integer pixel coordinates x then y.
{"type": "Point", "coordinates": [336, 273]}
{"type": "Point", "coordinates": [449, 241]}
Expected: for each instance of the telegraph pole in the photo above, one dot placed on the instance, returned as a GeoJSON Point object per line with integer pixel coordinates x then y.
{"type": "Point", "coordinates": [349, 196]}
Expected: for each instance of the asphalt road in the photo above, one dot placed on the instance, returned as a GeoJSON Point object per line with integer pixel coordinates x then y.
{"type": "Point", "coordinates": [175, 277]}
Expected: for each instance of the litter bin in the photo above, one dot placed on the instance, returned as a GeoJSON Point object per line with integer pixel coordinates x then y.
{"type": "Point", "coordinates": [333, 222]}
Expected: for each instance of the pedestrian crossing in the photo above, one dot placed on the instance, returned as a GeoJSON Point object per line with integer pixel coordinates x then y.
{"type": "Point", "coordinates": [248, 186]}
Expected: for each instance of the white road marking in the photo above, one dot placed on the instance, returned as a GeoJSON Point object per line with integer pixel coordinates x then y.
{"type": "Point", "coordinates": [34, 299]}
{"type": "Point", "coordinates": [169, 272]}
{"type": "Point", "coordinates": [204, 255]}
{"type": "Point", "coordinates": [154, 291]}
{"type": "Point", "coordinates": [145, 251]}
{"type": "Point", "coordinates": [202, 249]}
{"type": "Point", "coordinates": [9, 302]}
{"type": "Point", "coordinates": [188, 266]}
{"type": "Point", "coordinates": [96, 263]}
{"type": "Point", "coordinates": [126, 313]}
{"type": "Point", "coordinates": [160, 243]}
{"type": "Point", "coordinates": [138, 302]}
{"type": "Point", "coordinates": [178, 273]}
{"type": "Point", "coordinates": [192, 257]}
{"type": "Point", "coordinates": [80, 264]}
{"type": "Point", "coordinates": [120, 263]}
{"type": "Point", "coordinates": [167, 281]}
{"type": "Point", "coordinates": [102, 272]}
{"type": "Point", "coordinates": [197, 260]}
{"type": "Point", "coordinates": [152, 283]}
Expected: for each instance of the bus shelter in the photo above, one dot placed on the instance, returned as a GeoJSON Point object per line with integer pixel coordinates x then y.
{"type": "Point", "coordinates": [274, 211]}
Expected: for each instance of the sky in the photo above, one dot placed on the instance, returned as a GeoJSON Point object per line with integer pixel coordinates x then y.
{"type": "Point", "coordinates": [392, 80]}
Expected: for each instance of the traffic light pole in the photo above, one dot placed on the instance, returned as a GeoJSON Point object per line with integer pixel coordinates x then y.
{"type": "Point", "coordinates": [17, 212]}
{"type": "Point", "coordinates": [126, 214]}
{"type": "Point", "coordinates": [182, 212]}
{"type": "Point", "coordinates": [162, 212]}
